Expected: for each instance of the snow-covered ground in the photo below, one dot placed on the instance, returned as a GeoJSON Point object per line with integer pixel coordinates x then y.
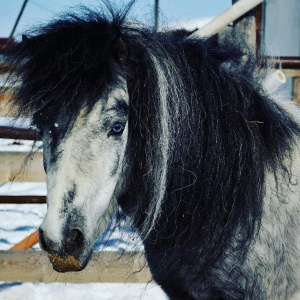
{"type": "Point", "coordinates": [19, 220]}
{"type": "Point", "coordinates": [74, 291]}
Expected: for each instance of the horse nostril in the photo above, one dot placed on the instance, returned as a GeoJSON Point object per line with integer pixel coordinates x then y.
{"type": "Point", "coordinates": [75, 239]}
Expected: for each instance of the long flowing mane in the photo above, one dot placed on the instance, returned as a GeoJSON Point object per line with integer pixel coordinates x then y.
{"type": "Point", "coordinates": [202, 131]}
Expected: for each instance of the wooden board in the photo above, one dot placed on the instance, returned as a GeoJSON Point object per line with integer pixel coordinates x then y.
{"type": "Point", "coordinates": [296, 92]}
{"type": "Point", "coordinates": [8, 199]}
{"type": "Point", "coordinates": [291, 73]}
{"type": "Point", "coordinates": [8, 132]}
{"type": "Point", "coordinates": [245, 26]}
{"type": "Point", "coordinates": [12, 167]}
{"type": "Point", "coordinates": [5, 108]}
{"type": "Point", "coordinates": [28, 242]}
{"type": "Point", "coordinates": [4, 97]}
{"type": "Point", "coordinates": [114, 267]}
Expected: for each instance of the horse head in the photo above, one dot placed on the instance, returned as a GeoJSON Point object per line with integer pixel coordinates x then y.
{"type": "Point", "coordinates": [83, 160]}
{"type": "Point", "coordinates": [79, 103]}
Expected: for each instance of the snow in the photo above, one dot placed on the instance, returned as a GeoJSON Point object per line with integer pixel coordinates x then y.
{"type": "Point", "coordinates": [23, 188]}
{"type": "Point", "coordinates": [21, 122]}
{"type": "Point", "coordinates": [90, 291]}
{"type": "Point", "coordinates": [19, 220]}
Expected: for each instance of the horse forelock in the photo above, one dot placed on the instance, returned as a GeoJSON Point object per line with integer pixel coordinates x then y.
{"type": "Point", "coordinates": [65, 65]}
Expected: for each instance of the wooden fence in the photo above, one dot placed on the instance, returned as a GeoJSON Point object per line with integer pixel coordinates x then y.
{"type": "Point", "coordinates": [34, 266]}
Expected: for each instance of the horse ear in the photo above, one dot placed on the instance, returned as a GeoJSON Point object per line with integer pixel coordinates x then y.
{"type": "Point", "coordinates": [120, 50]}
{"type": "Point", "coordinates": [25, 38]}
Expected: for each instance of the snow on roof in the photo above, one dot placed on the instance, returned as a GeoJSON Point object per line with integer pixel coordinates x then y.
{"type": "Point", "coordinates": [190, 24]}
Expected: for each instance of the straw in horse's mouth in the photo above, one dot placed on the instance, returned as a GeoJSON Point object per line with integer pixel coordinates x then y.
{"type": "Point", "coordinates": [65, 264]}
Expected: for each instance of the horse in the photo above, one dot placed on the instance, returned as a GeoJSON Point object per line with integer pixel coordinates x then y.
{"type": "Point", "coordinates": [179, 133]}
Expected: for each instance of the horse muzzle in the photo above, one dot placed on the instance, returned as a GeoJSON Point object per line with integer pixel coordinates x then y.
{"type": "Point", "coordinates": [70, 255]}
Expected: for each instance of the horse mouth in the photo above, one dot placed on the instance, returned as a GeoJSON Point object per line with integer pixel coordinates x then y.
{"type": "Point", "coordinates": [67, 256]}
{"type": "Point", "coordinates": [67, 264]}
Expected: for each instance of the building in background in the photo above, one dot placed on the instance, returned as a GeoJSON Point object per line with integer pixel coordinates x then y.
{"type": "Point", "coordinates": [281, 37]}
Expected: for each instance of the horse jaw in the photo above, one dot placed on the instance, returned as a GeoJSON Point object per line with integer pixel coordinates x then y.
{"type": "Point", "coordinates": [81, 184]}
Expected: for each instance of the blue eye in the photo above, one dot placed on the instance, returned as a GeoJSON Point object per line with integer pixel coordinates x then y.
{"type": "Point", "coordinates": [118, 128]}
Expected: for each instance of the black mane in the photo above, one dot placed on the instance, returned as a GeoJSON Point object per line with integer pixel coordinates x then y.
{"type": "Point", "coordinates": [218, 136]}
{"type": "Point", "coordinates": [66, 64]}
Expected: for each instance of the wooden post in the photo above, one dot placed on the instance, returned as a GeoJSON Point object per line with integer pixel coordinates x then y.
{"type": "Point", "coordinates": [296, 93]}
{"type": "Point", "coordinates": [28, 242]}
{"type": "Point", "coordinates": [259, 28]}
{"type": "Point", "coordinates": [245, 27]}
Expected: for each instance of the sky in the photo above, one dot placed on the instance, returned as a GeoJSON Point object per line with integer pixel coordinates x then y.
{"type": "Point", "coordinates": [40, 11]}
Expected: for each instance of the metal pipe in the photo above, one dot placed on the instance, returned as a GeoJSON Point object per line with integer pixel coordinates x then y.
{"type": "Point", "coordinates": [228, 16]}
{"type": "Point", "coordinates": [273, 81]}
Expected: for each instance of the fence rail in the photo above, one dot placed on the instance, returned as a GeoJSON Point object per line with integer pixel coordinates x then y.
{"type": "Point", "coordinates": [8, 132]}
{"type": "Point", "coordinates": [113, 267]}
{"type": "Point", "coordinates": [12, 167]}
{"type": "Point", "coordinates": [22, 199]}
{"type": "Point", "coordinates": [285, 62]}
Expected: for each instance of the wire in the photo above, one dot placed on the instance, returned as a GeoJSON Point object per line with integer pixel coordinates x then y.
{"type": "Point", "coordinates": [18, 19]}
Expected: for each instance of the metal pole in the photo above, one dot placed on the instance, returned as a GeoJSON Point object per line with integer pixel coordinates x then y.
{"type": "Point", "coordinates": [18, 18]}
{"type": "Point", "coordinates": [228, 16]}
{"type": "Point", "coordinates": [156, 8]}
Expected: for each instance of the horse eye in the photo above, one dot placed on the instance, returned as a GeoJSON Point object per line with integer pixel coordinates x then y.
{"type": "Point", "coordinates": [118, 128]}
